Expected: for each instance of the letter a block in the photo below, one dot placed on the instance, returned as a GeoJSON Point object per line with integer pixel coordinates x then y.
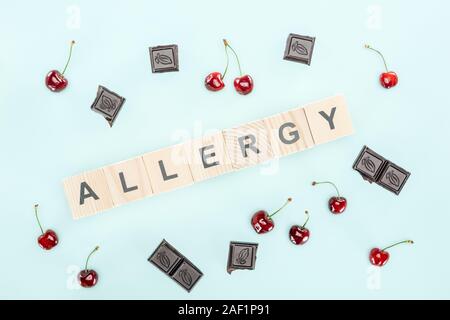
{"type": "Point", "coordinates": [329, 119]}
{"type": "Point", "coordinates": [88, 193]}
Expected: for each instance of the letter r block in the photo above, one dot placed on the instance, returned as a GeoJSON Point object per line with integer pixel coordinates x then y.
{"type": "Point", "coordinates": [329, 119]}
{"type": "Point", "coordinates": [248, 144]}
{"type": "Point", "coordinates": [289, 132]}
{"type": "Point", "coordinates": [128, 181]}
{"type": "Point", "coordinates": [88, 193]}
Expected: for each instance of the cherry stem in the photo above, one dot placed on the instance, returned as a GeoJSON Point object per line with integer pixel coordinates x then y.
{"type": "Point", "coordinates": [37, 217]}
{"type": "Point", "coordinates": [228, 58]}
{"type": "Point", "coordinates": [89, 256]}
{"type": "Point", "coordinates": [307, 218]}
{"type": "Point", "coordinates": [284, 205]}
{"type": "Point", "coordinates": [395, 244]}
{"type": "Point", "coordinates": [227, 45]}
{"type": "Point", "coordinates": [328, 182]}
{"type": "Point", "coordinates": [384, 61]}
{"type": "Point", "coordinates": [70, 56]}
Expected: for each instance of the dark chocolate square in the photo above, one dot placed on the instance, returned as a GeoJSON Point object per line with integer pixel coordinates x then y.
{"type": "Point", "coordinates": [369, 164]}
{"type": "Point", "coordinates": [393, 178]}
{"type": "Point", "coordinates": [241, 255]}
{"type": "Point", "coordinates": [108, 104]}
{"type": "Point", "coordinates": [165, 257]}
{"type": "Point", "coordinates": [299, 48]}
{"type": "Point", "coordinates": [187, 275]}
{"type": "Point", "coordinates": [164, 58]}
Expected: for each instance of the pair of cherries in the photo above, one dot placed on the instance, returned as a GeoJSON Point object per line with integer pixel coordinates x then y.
{"type": "Point", "coordinates": [336, 205]}
{"type": "Point", "coordinates": [243, 84]}
{"type": "Point", "coordinates": [262, 222]}
{"type": "Point", "coordinates": [49, 239]}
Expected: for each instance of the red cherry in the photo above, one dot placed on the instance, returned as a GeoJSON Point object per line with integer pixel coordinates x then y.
{"type": "Point", "coordinates": [244, 84]}
{"type": "Point", "coordinates": [48, 239]}
{"type": "Point", "coordinates": [300, 234]}
{"type": "Point", "coordinates": [388, 79]}
{"type": "Point", "coordinates": [88, 277]}
{"type": "Point", "coordinates": [214, 81]}
{"type": "Point", "coordinates": [55, 80]}
{"type": "Point", "coordinates": [379, 257]}
{"type": "Point", "coordinates": [262, 222]}
{"type": "Point", "coordinates": [336, 204]}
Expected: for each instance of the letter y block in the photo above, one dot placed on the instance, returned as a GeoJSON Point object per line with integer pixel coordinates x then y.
{"type": "Point", "coordinates": [329, 119]}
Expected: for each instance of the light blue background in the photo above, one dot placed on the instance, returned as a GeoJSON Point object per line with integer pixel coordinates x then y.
{"type": "Point", "coordinates": [46, 137]}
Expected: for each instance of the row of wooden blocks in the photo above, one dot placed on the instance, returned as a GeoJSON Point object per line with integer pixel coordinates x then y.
{"type": "Point", "coordinates": [206, 157]}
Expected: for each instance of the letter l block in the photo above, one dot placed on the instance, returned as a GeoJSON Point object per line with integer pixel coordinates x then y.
{"type": "Point", "coordinates": [168, 168]}
{"type": "Point", "coordinates": [128, 181]}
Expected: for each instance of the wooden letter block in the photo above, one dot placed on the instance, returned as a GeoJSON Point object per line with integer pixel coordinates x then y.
{"type": "Point", "coordinates": [207, 157]}
{"type": "Point", "coordinates": [329, 119]}
{"type": "Point", "coordinates": [248, 144]}
{"type": "Point", "coordinates": [128, 181]}
{"type": "Point", "coordinates": [88, 193]}
{"type": "Point", "coordinates": [168, 168]}
{"type": "Point", "coordinates": [289, 132]}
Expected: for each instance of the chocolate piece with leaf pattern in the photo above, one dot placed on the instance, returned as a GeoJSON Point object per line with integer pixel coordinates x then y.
{"type": "Point", "coordinates": [375, 168]}
{"type": "Point", "coordinates": [299, 48]}
{"type": "Point", "coordinates": [167, 259]}
{"type": "Point", "coordinates": [187, 275]}
{"type": "Point", "coordinates": [393, 178]}
{"type": "Point", "coordinates": [164, 58]}
{"type": "Point", "coordinates": [108, 104]}
{"type": "Point", "coordinates": [369, 164]}
{"type": "Point", "coordinates": [241, 255]}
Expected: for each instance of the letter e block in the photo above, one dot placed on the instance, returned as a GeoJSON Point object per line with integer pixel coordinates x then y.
{"type": "Point", "coordinates": [208, 157]}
